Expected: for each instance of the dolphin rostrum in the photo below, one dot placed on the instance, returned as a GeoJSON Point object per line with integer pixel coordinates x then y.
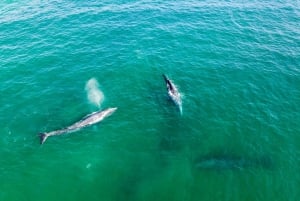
{"type": "Point", "coordinates": [88, 120]}
{"type": "Point", "coordinates": [173, 92]}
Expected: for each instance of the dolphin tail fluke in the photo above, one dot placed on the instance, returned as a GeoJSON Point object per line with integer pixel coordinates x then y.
{"type": "Point", "coordinates": [43, 137]}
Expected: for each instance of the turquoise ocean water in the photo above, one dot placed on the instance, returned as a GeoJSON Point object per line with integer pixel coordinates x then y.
{"type": "Point", "coordinates": [236, 63]}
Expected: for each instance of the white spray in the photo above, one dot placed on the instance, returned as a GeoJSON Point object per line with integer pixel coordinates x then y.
{"type": "Point", "coordinates": [94, 94]}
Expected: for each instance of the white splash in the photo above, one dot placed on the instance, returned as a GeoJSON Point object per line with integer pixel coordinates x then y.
{"type": "Point", "coordinates": [176, 96]}
{"type": "Point", "coordinates": [94, 94]}
{"type": "Point", "coordinates": [88, 166]}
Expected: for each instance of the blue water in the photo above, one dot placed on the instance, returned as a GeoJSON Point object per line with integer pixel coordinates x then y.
{"type": "Point", "coordinates": [236, 64]}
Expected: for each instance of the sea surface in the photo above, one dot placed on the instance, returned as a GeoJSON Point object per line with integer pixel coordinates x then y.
{"type": "Point", "coordinates": [236, 64]}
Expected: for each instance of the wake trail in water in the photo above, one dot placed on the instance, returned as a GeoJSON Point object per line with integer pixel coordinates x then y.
{"type": "Point", "coordinates": [94, 94]}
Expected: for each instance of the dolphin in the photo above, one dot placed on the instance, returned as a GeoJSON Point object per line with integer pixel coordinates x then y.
{"type": "Point", "coordinates": [173, 92]}
{"type": "Point", "coordinates": [88, 120]}
{"type": "Point", "coordinates": [230, 162]}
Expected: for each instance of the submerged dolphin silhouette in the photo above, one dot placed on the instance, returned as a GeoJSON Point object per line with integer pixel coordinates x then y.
{"type": "Point", "coordinates": [173, 92]}
{"type": "Point", "coordinates": [230, 162]}
{"type": "Point", "coordinates": [88, 120]}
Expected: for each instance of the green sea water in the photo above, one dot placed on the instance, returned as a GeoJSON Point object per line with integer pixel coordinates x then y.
{"type": "Point", "coordinates": [235, 62]}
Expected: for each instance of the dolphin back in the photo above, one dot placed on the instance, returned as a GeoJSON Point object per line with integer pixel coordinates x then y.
{"type": "Point", "coordinates": [165, 77]}
{"type": "Point", "coordinates": [168, 82]}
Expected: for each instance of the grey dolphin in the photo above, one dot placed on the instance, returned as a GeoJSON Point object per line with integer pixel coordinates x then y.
{"type": "Point", "coordinates": [173, 92]}
{"type": "Point", "coordinates": [88, 120]}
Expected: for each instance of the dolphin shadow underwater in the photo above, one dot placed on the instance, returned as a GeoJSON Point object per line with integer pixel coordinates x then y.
{"type": "Point", "coordinates": [227, 161]}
